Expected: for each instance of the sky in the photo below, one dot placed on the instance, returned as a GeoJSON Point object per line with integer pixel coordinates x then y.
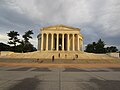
{"type": "Point", "coordinates": [96, 18]}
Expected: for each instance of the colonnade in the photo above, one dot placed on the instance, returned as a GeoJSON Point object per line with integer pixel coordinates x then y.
{"type": "Point", "coordinates": [57, 41]}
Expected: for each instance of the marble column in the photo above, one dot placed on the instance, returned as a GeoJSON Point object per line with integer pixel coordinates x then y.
{"type": "Point", "coordinates": [38, 43]}
{"type": "Point", "coordinates": [78, 43]}
{"type": "Point", "coordinates": [41, 42]}
{"type": "Point", "coordinates": [46, 41]}
{"type": "Point", "coordinates": [73, 42]}
{"type": "Point", "coordinates": [52, 41]}
{"type": "Point", "coordinates": [68, 42]}
{"type": "Point", "coordinates": [81, 45]}
{"type": "Point", "coordinates": [57, 42]}
{"type": "Point", "coordinates": [63, 42]}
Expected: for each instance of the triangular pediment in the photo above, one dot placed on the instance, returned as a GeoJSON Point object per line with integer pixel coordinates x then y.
{"type": "Point", "coordinates": [59, 27]}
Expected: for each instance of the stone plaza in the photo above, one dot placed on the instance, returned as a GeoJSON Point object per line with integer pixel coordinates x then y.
{"type": "Point", "coordinates": [32, 78]}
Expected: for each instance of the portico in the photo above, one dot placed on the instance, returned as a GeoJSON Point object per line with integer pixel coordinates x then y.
{"type": "Point", "coordinates": [60, 38]}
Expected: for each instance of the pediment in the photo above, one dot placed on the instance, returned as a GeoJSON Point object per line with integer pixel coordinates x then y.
{"type": "Point", "coordinates": [59, 27]}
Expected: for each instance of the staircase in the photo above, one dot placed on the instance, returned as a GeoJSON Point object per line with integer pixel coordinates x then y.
{"type": "Point", "coordinates": [59, 55]}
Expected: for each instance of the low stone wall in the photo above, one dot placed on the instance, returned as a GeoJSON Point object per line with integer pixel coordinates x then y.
{"type": "Point", "coordinates": [114, 55]}
{"type": "Point", "coordinates": [5, 53]}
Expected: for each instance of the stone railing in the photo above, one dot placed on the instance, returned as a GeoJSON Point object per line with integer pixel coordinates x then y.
{"type": "Point", "coordinates": [116, 54]}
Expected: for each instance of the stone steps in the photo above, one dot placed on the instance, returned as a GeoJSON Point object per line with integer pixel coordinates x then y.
{"type": "Point", "coordinates": [63, 55]}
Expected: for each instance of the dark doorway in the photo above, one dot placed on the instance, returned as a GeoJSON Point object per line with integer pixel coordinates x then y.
{"type": "Point", "coordinates": [55, 43]}
{"type": "Point", "coordinates": [60, 42]}
{"type": "Point", "coordinates": [65, 42]}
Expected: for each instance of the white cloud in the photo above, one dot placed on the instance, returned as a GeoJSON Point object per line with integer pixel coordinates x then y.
{"type": "Point", "coordinates": [34, 41]}
{"type": "Point", "coordinates": [3, 38]}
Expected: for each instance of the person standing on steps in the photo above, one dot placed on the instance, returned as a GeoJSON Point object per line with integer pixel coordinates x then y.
{"type": "Point", "coordinates": [65, 56]}
{"type": "Point", "coordinates": [59, 55]}
{"type": "Point", "coordinates": [53, 58]}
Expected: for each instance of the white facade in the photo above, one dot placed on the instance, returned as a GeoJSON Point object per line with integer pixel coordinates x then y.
{"type": "Point", "coordinates": [60, 38]}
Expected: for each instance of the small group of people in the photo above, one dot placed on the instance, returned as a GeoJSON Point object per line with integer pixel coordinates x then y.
{"type": "Point", "coordinates": [39, 61]}
{"type": "Point", "coordinates": [75, 57]}
{"type": "Point", "coordinates": [53, 57]}
{"type": "Point", "coordinates": [59, 55]}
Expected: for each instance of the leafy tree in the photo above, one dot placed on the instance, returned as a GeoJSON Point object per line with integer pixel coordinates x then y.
{"type": "Point", "coordinates": [29, 48]}
{"type": "Point", "coordinates": [25, 44]}
{"type": "Point", "coordinates": [13, 38]}
{"type": "Point", "coordinates": [4, 47]}
{"type": "Point", "coordinates": [27, 36]}
{"type": "Point", "coordinates": [99, 47]}
{"type": "Point", "coordinates": [111, 49]}
{"type": "Point", "coordinates": [89, 48]}
{"type": "Point", "coordinates": [96, 47]}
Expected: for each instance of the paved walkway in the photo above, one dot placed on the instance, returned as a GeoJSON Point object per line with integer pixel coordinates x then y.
{"type": "Point", "coordinates": [54, 65]}
{"type": "Point", "coordinates": [28, 78]}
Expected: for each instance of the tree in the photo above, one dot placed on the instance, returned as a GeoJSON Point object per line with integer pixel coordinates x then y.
{"type": "Point", "coordinates": [100, 46]}
{"type": "Point", "coordinates": [4, 47]}
{"type": "Point", "coordinates": [27, 36]}
{"type": "Point", "coordinates": [89, 48]}
{"type": "Point", "coordinates": [13, 38]}
{"type": "Point", "coordinates": [111, 49]}
{"type": "Point", "coordinates": [27, 46]}
{"type": "Point", "coordinates": [23, 46]}
{"type": "Point", "coordinates": [96, 47]}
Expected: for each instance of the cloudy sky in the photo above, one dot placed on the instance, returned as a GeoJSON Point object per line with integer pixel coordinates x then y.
{"type": "Point", "coordinates": [96, 18]}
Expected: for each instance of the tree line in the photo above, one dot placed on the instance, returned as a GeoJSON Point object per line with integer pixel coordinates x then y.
{"type": "Point", "coordinates": [17, 45]}
{"type": "Point", "coordinates": [99, 47]}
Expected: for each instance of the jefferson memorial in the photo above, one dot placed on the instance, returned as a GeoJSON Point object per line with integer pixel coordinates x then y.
{"type": "Point", "coordinates": [60, 38]}
{"type": "Point", "coordinates": [60, 42]}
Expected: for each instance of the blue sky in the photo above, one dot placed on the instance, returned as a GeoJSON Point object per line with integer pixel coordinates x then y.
{"type": "Point", "coordinates": [96, 18]}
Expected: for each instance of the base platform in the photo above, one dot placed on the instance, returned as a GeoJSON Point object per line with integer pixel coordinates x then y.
{"type": "Point", "coordinates": [58, 55]}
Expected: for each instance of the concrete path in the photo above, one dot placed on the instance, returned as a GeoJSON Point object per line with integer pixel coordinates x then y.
{"type": "Point", "coordinates": [28, 78]}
